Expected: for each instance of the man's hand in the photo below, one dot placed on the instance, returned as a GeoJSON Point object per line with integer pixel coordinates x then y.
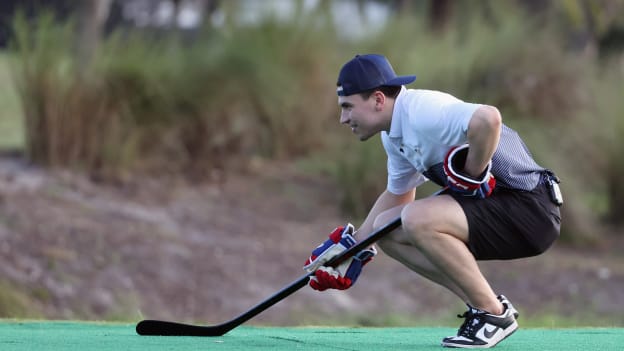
{"type": "Point", "coordinates": [462, 183]}
{"type": "Point", "coordinates": [339, 240]}
{"type": "Point", "coordinates": [344, 275]}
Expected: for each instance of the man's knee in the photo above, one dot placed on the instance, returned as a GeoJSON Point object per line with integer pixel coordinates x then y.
{"type": "Point", "coordinates": [417, 222]}
{"type": "Point", "coordinates": [424, 220]}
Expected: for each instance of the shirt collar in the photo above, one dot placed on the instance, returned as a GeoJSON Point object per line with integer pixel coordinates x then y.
{"type": "Point", "coordinates": [396, 129]}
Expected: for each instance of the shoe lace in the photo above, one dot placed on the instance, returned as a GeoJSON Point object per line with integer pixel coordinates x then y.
{"type": "Point", "coordinates": [470, 325]}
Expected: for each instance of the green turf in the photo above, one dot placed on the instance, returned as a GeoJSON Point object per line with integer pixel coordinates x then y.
{"type": "Point", "coordinates": [54, 336]}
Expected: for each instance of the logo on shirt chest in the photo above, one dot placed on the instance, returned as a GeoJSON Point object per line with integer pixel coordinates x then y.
{"type": "Point", "coordinates": [406, 148]}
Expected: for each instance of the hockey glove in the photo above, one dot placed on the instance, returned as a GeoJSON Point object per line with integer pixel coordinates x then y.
{"type": "Point", "coordinates": [462, 183]}
{"type": "Point", "coordinates": [339, 240]}
{"type": "Point", "coordinates": [344, 275]}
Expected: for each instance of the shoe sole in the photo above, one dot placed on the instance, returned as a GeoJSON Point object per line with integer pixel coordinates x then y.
{"type": "Point", "coordinates": [506, 333]}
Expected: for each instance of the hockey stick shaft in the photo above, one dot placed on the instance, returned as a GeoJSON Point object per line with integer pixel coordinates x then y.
{"type": "Point", "coordinates": [165, 328]}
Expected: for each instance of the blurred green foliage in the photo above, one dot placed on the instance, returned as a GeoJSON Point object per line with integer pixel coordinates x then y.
{"type": "Point", "coordinates": [11, 123]}
{"type": "Point", "coordinates": [15, 303]}
{"type": "Point", "coordinates": [164, 105]}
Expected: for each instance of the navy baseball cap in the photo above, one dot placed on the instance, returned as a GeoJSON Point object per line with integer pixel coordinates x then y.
{"type": "Point", "coordinates": [365, 72]}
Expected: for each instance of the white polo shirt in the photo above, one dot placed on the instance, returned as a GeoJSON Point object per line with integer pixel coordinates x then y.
{"type": "Point", "coordinates": [425, 125]}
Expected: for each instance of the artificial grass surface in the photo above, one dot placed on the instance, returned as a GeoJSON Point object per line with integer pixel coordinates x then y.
{"type": "Point", "coordinates": [75, 336]}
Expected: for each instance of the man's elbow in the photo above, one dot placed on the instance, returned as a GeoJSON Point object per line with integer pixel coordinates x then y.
{"type": "Point", "coordinates": [489, 118]}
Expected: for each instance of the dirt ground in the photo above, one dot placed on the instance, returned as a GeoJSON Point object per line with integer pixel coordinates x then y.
{"type": "Point", "coordinates": [71, 248]}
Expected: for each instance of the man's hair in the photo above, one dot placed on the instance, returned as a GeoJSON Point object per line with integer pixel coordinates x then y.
{"type": "Point", "coordinates": [388, 91]}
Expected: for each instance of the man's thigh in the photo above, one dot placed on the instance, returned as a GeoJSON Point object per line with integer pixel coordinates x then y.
{"type": "Point", "coordinates": [437, 214]}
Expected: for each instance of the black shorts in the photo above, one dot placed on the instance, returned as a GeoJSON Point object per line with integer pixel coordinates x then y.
{"type": "Point", "coordinates": [511, 223]}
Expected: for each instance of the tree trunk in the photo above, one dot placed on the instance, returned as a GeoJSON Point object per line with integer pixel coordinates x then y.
{"type": "Point", "coordinates": [616, 191]}
{"type": "Point", "coordinates": [440, 12]}
{"type": "Point", "coordinates": [92, 16]}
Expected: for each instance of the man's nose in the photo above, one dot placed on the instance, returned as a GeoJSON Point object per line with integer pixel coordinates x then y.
{"type": "Point", "coordinates": [344, 118]}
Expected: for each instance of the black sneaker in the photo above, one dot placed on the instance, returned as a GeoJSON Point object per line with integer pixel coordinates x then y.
{"type": "Point", "coordinates": [482, 330]}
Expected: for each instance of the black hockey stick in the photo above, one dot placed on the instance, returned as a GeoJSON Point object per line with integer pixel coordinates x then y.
{"type": "Point", "coordinates": [165, 328]}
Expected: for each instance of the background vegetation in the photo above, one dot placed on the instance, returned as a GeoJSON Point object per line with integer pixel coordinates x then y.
{"type": "Point", "coordinates": [165, 102]}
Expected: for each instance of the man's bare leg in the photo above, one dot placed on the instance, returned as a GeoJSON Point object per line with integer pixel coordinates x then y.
{"type": "Point", "coordinates": [398, 246]}
{"type": "Point", "coordinates": [438, 229]}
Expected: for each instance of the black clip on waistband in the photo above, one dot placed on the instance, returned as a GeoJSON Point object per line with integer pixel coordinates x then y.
{"type": "Point", "coordinates": [552, 181]}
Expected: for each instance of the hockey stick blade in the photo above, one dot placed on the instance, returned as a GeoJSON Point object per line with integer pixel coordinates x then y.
{"type": "Point", "coordinates": [166, 328]}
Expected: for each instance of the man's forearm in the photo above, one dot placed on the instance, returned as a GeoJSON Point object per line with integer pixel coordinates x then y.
{"type": "Point", "coordinates": [483, 137]}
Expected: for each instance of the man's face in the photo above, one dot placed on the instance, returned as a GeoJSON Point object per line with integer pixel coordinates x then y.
{"type": "Point", "coordinates": [361, 115]}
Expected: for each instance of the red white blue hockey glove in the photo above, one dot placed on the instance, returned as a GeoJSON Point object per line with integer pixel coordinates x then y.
{"type": "Point", "coordinates": [343, 276]}
{"type": "Point", "coordinates": [339, 240]}
{"type": "Point", "coordinates": [462, 183]}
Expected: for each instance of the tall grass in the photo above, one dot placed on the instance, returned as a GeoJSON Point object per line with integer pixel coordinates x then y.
{"type": "Point", "coordinates": [166, 106]}
{"type": "Point", "coordinates": [163, 104]}
{"type": "Point", "coordinates": [67, 119]}
{"type": "Point", "coordinates": [11, 122]}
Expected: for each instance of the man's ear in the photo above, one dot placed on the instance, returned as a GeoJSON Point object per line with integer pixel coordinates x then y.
{"type": "Point", "coordinates": [380, 100]}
